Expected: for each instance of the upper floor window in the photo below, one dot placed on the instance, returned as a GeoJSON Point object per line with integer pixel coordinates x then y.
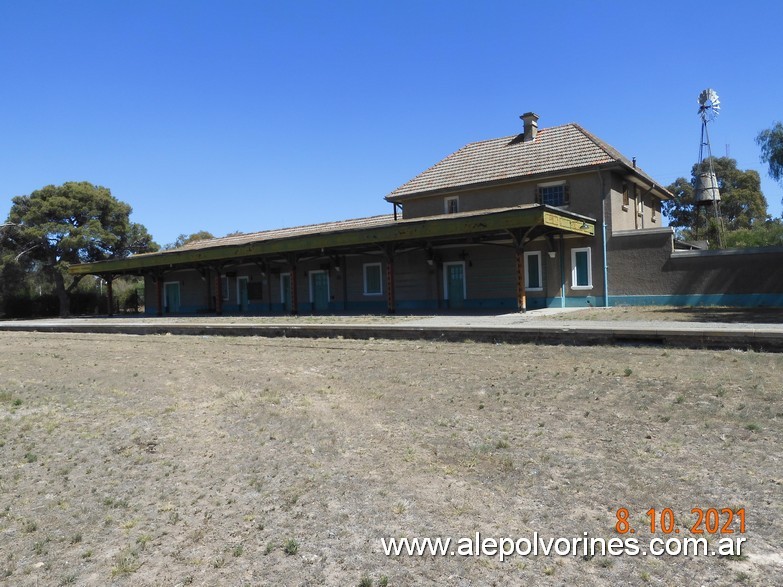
{"type": "Point", "coordinates": [451, 205]}
{"type": "Point", "coordinates": [553, 194]}
{"type": "Point", "coordinates": [626, 196]}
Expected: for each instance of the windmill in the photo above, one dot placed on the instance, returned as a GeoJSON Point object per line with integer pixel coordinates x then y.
{"type": "Point", "coordinates": [707, 193]}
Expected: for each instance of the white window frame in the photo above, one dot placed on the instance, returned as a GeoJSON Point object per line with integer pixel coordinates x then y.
{"type": "Point", "coordinates": [589, 252]}
{"type": "Point", "coordinates": [310, 284]}
{"type": "Point", "coordinates": [379, 265]}
{"type": "Point", "coordinates": [446, 279]}
{"type": "Point", "coordinates": [540, 287]}
{"type": "Point", "coordinates": [447, 204]}
{"type": "Point", "coordinates": [225, 288]}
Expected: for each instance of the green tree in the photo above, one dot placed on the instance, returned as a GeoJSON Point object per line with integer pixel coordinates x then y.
{"type": "Point", "coordinates": [765, 234]}
{"type": "Point", "coordinates": [742, 205]}
{"type": "Point", "coordinates": [681, 210]}
{"type": "Point", "coordinates": [771, 143]}
{"type": "Point", "coordinates": [184, 239]}
{"type": "Point", "coordinates": [76, 222]}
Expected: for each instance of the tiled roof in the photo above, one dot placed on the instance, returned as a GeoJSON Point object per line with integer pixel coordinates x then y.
{"type": "Point", "coordinates": [332, 227]}
{"type": "Point", "coordinates": [280, 233]}
{"type": "Point", "coordinates": [554, 150]}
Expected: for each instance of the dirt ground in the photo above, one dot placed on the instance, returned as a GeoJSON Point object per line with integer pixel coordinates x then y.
{"type": "Point", "coordinates": [728, 315]}
{"type": "Point", "coordinates": [165, 460]}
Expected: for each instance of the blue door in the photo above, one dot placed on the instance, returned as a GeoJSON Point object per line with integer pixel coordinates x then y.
{"type": "Point", "coordinates": [319, 290]}
{"type": "Point", "coordinates": [242, 293]}
{"type": "Point", "coordinates": [455, 285]}
{"type": "Point", "coordinates": [171, 293]}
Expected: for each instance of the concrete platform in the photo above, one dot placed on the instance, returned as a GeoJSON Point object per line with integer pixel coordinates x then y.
{"type": "Point", "coordinates": [506, 328]}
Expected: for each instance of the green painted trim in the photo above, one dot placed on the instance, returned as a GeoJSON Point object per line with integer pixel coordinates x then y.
{"type": "Point", "coordinates": [400, 231]}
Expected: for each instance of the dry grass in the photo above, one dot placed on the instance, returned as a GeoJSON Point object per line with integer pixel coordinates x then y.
{"type": "Point", "coordinates": [165, 460]}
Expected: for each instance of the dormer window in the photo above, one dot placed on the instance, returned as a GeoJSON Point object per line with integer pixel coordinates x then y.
{"type": "Point", "coordinates": [553, 194]}
{"type": "Point", "coordinates": [451, 205]}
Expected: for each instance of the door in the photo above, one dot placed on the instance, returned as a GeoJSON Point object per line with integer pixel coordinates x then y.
{"type": "Point", "coordinates": [285, 291]}
{"type": "Point", "coordinates": [242, 293]}
{"type": "Point", "coordinates": [171, 297]}
{"type": "Point", "coordinates": [319, 290]}
{"type": "Point", "coordinates": [454, 287]}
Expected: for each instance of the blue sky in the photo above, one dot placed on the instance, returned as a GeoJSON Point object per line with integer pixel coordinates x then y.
{"type": "Point", "coordinates": [240, 115]}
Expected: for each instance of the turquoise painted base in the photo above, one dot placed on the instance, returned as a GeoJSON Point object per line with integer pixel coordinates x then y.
{"type": "Point", "coordinates": [499, 304]}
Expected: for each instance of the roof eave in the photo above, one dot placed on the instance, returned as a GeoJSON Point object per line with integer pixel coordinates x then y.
{"type": "Point", "coordinates": [506, 181]}
{"type": "Point", "coordinates": [417, 229]}
{"type": "Point", "coordinates": [647, 182]}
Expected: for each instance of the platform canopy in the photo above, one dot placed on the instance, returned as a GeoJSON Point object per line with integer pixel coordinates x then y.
{"type": "Point", "coordinates": [519, 223]}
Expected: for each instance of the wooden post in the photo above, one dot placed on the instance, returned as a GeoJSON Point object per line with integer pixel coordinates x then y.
{"type": "Point", "coordinates": [519, 238]}
{"type": "Point", "coordinates": [268, 277]}
{"type": "Point", "coordinates": [521, 293]}
{"type": "Point", "coordinates": [110, 295]}
{"type": "Point", "coordinates": [218, 294]}
{"type": "Point", "coordinates": [294, 296]}
{"type": "Point", "coordinates": [159, 292]}
{"type": "Point", "coordinates": [207, 287]}
{"type": "Point", "coordinates": [344, 271]}
{"type": "Point", "coordinates": [390, 297]}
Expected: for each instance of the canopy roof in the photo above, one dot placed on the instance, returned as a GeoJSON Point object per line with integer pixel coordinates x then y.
{"type": "Point", "coordinates": [353, 236]}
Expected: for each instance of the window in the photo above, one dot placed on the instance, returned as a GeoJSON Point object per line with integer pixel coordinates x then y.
{"type": "Point", "coordinates": [451, 205]}
{"type": "Point", "coordinates": [224, 287]}
{"type": "Point", "coordinates": [581, 269]}
{"type": "Point", "coordinates": [373, 284]}
{"type": "Point", "coordinates": [553, 194]}
{"type": "Point", "coordinates": [639, 198]}
{"type": "Point", "coordinates": [626, 197]}
{"type": "Point", "coordinates": [533, 281]}
{"type": "Point", "coordinates": [654, 206]}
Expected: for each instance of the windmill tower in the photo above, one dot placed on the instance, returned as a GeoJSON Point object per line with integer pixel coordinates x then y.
{"type": "Point", "coordinates": [707, 193]}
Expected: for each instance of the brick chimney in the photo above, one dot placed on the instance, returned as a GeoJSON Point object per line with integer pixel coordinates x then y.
{"type": "Point", "coordinates": [530, 121]}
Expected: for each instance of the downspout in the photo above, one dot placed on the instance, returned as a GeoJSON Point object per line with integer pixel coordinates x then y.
{"type": "Point", "coordinates": [603, 238]}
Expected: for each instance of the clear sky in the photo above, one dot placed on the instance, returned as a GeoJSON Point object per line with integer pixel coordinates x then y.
{"type": "Point", "coordinates": [249, 115]}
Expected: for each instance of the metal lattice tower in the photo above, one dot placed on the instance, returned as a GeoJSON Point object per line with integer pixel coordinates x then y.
{"type": "Point", "coordinates": [707, 192]}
